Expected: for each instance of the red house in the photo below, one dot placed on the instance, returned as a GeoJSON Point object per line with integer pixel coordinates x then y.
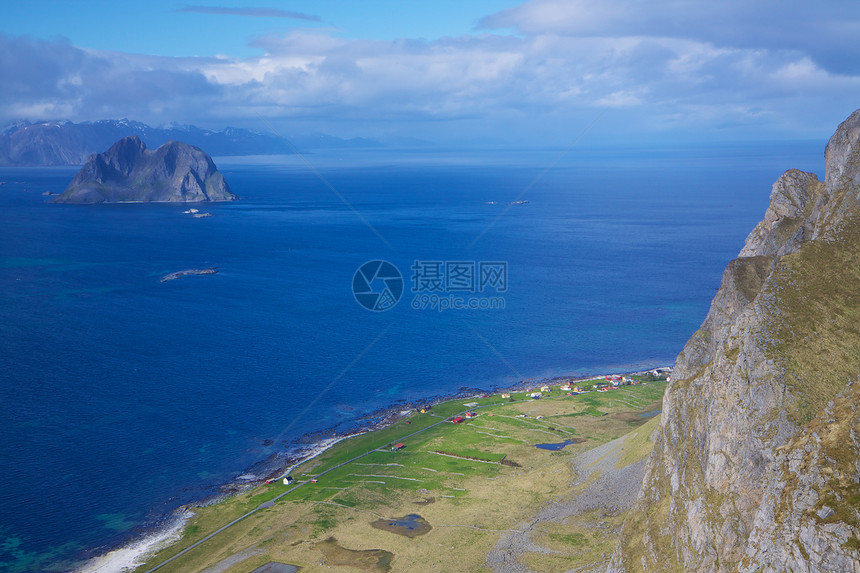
{"type": "Point", "coordinates": [458, 419]}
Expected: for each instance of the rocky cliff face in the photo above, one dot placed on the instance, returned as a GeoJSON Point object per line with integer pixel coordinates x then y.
{"type": "Point", "coordinates": [757, 463]}
{"type": "Point", "coordinates": [129, 172]}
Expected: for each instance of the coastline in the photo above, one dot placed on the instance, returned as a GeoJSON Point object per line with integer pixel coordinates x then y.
{"type": "Point", "coordinates": [132, 554]}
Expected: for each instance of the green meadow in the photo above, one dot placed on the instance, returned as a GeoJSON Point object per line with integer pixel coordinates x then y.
{"type": "Point", "coordinates": [472, 481]}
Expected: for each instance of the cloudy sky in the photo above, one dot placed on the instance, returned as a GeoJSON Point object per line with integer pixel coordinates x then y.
{"type": "Point", "coordinates": [451, 71]}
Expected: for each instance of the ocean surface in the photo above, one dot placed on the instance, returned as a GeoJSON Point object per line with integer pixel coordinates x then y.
{"type": "Point", "coordinates": [122, 397]}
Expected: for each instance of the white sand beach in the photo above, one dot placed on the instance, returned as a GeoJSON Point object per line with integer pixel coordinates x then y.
{"type": "Point", "coordinates": [134, 554]}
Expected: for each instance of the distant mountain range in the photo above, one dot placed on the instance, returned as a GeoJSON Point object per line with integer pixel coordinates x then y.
{"type": "Point", "coordinates": [67, 143]}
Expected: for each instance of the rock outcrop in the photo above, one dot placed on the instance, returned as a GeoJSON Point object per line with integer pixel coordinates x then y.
{"type": "Point", "coordinates": [757, 463]}
{"type": "Point", "coordinates": [129, 172]}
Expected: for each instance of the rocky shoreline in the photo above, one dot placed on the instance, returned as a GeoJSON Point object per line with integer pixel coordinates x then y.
{"type": "Point", "coordinates": [149, 538]}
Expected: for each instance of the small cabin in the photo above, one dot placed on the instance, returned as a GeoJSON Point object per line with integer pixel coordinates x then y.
{"type": "Point", "coordinates": [288, 480]}
{"type": "Point", "coordinates": [398, 446]}
{"type": "Point", "coordinates": [458, 420]}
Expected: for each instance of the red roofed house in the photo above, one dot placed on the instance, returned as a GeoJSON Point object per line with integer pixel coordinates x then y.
{"type": "Point", "coordinates": [458, 419]}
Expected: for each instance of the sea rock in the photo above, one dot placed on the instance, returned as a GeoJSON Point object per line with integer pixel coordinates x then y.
{"type": "Point", "coordinates": [761, 424]}
{"type": "Point", "coordinates": [129, 172]}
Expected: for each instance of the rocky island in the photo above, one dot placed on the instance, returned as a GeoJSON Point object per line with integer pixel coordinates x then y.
{"type": "Point", "coordinates": [128, 172]}
{"type": "Point", "coordinates": [187, 272]}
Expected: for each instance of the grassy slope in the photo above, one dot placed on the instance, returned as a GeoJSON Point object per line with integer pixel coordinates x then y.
{"type": "Point", "coordinates": [816, 330]}
{"type": "Point", "coordinates": [473, 501]}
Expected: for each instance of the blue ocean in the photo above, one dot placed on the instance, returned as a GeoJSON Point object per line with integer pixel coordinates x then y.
{"type": "Point", "coordinates": [123, 397]}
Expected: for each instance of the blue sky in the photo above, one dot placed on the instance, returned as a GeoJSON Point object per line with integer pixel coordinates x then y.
{"type": "Point", "coordinates": [486, 71]}
{"type": "Point", "coordinates": [168, 28]}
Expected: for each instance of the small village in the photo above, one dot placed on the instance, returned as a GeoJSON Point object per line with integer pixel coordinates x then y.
{"type": "Point", "coordinates": [602, 383]}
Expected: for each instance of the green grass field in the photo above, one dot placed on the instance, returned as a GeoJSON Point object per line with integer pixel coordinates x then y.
{"type": "Point", "coordinates": [471, 481]}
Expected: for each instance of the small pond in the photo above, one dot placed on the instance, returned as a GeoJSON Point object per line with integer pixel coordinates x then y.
{"type": "Point", "coordinates": [559, 445]}
{"type": "Point", "coordinates": [411, 525]}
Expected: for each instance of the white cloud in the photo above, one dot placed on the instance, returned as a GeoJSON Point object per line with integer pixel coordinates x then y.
{"type": "Point", "coordinates": [802, 70]}
{"type": "Point", "coordinates": [826, 31]}
{"type": "Point", "coordinates": [238, 72]}
{"type": "Point", "coordinates": [623, 98]}
{"type": "Point", "coordinates": [570, 59]}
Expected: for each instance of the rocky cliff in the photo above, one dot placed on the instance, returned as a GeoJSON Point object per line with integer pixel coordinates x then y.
{"type": "Point", "coordinates": [129, 172]}
{"type": "Point", "coordinates": [756, 466]}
